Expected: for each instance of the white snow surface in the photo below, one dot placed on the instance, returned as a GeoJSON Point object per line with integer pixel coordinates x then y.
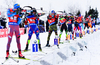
{"type": "Point", "coordinates": [89, 56]}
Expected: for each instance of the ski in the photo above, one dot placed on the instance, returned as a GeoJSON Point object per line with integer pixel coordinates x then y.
{"type": "Point", "coordinates": [24, 59]}
{"type": "Point", "coordinates": [14, 59]}
{"type": "Point", "coordinates": [51, 46]}
{"type": "Point", "coordinates": [43, 52]}
{"type": "Point", "coordinates": [11, 58]}
{"type": "Point", "coordinates": [15, 52]}
{"type": "Point", "coordinates": [58, 46]}
{"type": "Point", "coordinates": [21, 51]}
{"type": "Point", "coordinates": [73, 50]}
{"type": "Point", "coordinates": [61, 42]}
{"type": "Point", "coordinates": [4, 61]}
{"type": "Point", "coordinates": [26, 50]}
{"type": "Point", "coordinates": [47, 46]}
{"type": "Point", "coordinates": [66, 41]}
{"type": "Point", "coordinates": [80, 45]}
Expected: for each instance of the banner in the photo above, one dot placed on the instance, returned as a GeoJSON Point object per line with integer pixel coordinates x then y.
{"type": "Point", "coordinates": [4, 32]}
{"type": "Point", "coordinates": [0, 13]}
{"type": "Point", "coordinates": [21, 31]}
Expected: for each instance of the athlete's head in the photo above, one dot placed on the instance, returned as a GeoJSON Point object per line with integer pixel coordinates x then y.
{"type": "Point", "coordinates": [16, 6]}
{"type": "Point", "coordinates": [34, 11]}
{"type": "Point", "coordinates": [52, 12]}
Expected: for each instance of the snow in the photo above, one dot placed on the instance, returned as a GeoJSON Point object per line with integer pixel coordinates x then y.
{"type": "Point", "coordinates": [89, 56]}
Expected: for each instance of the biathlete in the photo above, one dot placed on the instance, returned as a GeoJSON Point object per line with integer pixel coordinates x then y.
{"type": "Point", "coordinates": [14, 21]}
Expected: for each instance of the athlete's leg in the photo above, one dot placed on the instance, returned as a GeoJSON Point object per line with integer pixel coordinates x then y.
{"type": "Point", "coordinates": [10, 34]}
{"type": "Point", "coordinates": [61, 31]}
{"type": "Point", "coordinates": [17, 34]}
{"type": "Point", "coordinates": [29, 37]}
{"type": "Point", "coordinates": [37, 36]}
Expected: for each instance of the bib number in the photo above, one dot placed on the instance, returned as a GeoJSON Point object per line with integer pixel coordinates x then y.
{"type": "Point", "coordinates": [14, 18]}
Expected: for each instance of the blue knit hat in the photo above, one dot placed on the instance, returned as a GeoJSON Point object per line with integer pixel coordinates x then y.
{"type": "Point", "coordinates": [52, 11]}
{"type": "Point", "coordinates": [16, 6]}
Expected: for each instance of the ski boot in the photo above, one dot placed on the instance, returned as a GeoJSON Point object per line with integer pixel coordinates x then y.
{"type": "Point", "coordinates": [20, 54]}
{"type": "Point", "coordinates": [66, 38]}
{"type": "Point", "coordinates": [73, 36]}
{"type": "Point", "coordinates": [81, 35]}
{"type": "Point", "coordinates": [26, 49]}
{"type": "Point", "coordinates": [7, 54]}
{"type": "Point", "coordinates": [40, 49]}
{"type": "Point", "coordinates": [47, 45]}
{"type": "Point", "coordinates": [58, 46]}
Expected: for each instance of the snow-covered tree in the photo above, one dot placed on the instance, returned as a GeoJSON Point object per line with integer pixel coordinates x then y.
{"type": "Point", "coordinates": [73, 9]}
{"type": "Point", "coordinates": [10, 3]}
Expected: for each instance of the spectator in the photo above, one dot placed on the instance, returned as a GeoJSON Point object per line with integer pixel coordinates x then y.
{"type": "Point", "coordinates": [2, 22]}
{"type": "Point", "coordinates": [0, 27]}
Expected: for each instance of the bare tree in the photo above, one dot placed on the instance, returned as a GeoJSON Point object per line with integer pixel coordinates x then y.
{"type": "Point", "coordinates": [2, 11]}
{"type": "Point", "coordinates": [14, 1]}
{"type": "Point", "coordinates": [10, 3]}
{"type": "Point", "coordinates": [73, 9]}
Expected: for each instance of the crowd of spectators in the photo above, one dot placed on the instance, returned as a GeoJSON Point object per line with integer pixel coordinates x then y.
{"type": "Point", "coordinates": [2, 23]}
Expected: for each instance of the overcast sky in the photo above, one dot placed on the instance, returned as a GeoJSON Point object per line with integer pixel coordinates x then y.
{"type": "Point", "coordinates": [82, 5]}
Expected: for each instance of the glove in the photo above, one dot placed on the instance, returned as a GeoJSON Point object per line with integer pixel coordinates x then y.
{"type": "Point", "coordinates": [18, 11]}
{"type": "Point", "coordinates": [19, 21]}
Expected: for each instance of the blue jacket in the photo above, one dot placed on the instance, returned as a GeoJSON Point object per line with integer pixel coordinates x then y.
{"type": "Point", "coordinates": [9, 14]}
